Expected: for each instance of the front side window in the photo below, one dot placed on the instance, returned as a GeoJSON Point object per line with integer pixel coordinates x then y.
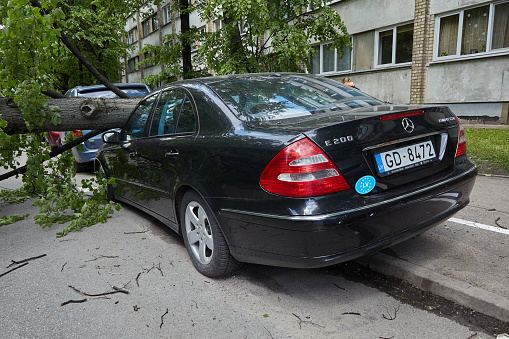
{"type": "Point", "coordinates": [395, 45]}
{"type": "Point", "coordinates": [135, 126]}
{"type": "Point", "coordinates": [481, 29]}
{"type": "Point", "coordinates": [167, 112]}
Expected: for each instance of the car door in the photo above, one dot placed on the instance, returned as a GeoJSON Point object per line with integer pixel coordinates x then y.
{"type": "Point", "coordinates": [128, 164]}
{"type": "Point", "coordinates": [171, 135]}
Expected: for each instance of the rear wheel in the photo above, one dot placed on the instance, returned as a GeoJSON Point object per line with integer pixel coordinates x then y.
{"type": "Point", "coordinates": [205, 243]}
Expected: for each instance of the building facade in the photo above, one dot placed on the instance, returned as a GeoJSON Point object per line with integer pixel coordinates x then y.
{"type": "Point", "coordinates": [451, 52]}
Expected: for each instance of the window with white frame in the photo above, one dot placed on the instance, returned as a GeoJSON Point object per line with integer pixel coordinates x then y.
{"type": "Point", "coordinates": [132, 36]}
{"type": "Point", "coordinates": [474, 30]}
{"type": "Point", "coordinates": [328, 59]}
{"type": "Point", "coordinates": [149, 25]}
{"type": "Point", "coordinates": [394, 45]}
{"type": "Point", "coordinates": [166, 14]}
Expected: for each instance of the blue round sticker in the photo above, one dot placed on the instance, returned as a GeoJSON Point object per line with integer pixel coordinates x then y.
{"type": "Point", "coordinates": [365, 184]}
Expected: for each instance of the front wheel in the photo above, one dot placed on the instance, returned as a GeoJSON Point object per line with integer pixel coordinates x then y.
{"type": "Point", "coordinates": [205, 243]}
{"type": "Point", "coordinates": [110, 196]}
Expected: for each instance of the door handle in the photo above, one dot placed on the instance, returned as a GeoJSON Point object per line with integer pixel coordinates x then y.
{"type": "Point", "coordinates": [133, 154]}
{"type": "Point", "coordinates": [172, 153]}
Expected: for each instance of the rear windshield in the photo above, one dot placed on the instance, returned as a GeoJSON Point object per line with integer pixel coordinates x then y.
{"type": "Point", "coordinates": [106, 93]}
{"type": "Point", "coordinates": [273, 97]}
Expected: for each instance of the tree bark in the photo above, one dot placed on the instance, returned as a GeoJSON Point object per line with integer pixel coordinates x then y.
{"type": "Point", "coordinates": [76, 113]}
{"type": "Point", "coordinates": [185, 27]}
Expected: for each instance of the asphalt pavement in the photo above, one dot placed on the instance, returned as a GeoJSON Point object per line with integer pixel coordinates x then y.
{"type": "Point", "coordinates": [465, 259]}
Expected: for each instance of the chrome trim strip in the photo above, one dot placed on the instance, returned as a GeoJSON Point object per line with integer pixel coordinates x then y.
{"type": "Point", "coordinates": [398, 141]}
{"type": "Point", "coordinates": [331, 215]}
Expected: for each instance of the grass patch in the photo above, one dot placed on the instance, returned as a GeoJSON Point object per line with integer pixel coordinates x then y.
{"type": "Point", "coordinates": [489, 150]}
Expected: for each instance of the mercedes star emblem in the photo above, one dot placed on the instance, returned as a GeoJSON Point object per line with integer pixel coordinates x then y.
{"type": "Point", "coordinates": [408, 125]}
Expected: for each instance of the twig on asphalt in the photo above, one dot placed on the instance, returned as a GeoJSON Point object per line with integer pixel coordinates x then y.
{"type": "Point", "coordinates": [137, 279]}
{"type": "Point", "coordinates": [496, 222]}
{"type": "Point", "coordinates": [159, 268]}
{"type": "Point", "coordinates": [473, 335]}
{"type": "Point", "coordinates": [144, 231]}
{"type": "Point", "coordinates": [306, 321]}
{"type": "Point", "coordinates": [389, 316]}
{"type": "Point", "coordinates": [195, 304]}
{"type": "Point", "coordinates": [350, 313]}
{"type": "Point", "coordinates": [73, 302]}
{"type": "Point", "coordinates": [116, 290]}
{"type": "Point", "coordinates": [103, 256]}
{"type": "Point", "coordinates": [341, 288]}
{"type": "Point", "coordinates": [13, 262]}
{"type": "Point", "coordinates": [63, 267]}
{"type": "Point", "coordinates": [12, 269]}
{"type": "Point", "coordinates": [162, 322]}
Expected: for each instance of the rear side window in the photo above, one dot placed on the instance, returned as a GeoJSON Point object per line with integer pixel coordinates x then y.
{"type": "Point", "coordinates": [187, 121]}
{"type": "Point", "coordinates": [135, 127]}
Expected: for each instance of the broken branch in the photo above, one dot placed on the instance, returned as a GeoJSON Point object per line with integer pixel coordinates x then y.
{"type": "Point", "coordinates": [162, 322]}
{"type": "Point", "coordinates": [116, 290]}
{"type": "Point", "coordinates": [15, 268]}
{"type": "Point", "coordinates": [24, 260]}
{"type": "Point", "coordinates": [73, 302]}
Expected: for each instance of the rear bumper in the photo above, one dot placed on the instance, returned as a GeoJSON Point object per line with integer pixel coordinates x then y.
{"type": "Point", "coordinates": [327, 239]}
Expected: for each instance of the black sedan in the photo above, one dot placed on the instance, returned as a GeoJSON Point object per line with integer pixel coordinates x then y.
{"type": "Point", "coordinates": [289, 170]}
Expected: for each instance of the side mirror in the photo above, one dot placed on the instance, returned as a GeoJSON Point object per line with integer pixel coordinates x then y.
{"type": "Point", "coordinates": [111, 137]}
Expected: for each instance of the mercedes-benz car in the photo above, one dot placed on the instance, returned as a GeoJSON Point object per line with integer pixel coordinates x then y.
{"type": "Point", "coordinates": [287, 169]}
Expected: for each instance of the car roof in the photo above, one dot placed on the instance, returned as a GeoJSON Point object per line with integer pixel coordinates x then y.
{"type": "Point", "coordinates": [119, 85]}
{"type": "Point", "coordinates": [212, 79]}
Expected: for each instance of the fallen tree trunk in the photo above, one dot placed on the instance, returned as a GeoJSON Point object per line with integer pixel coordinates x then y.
{"type": "Point", "coordinates": [76, 113]}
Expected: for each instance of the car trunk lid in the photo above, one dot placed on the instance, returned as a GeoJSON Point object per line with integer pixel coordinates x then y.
{"type": "Point", "coordinates": [392, 145]}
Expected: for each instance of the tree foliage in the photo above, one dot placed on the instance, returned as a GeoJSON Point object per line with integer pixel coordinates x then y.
{"type": "Point", "coordinates": [252, 36]}
{"type": "Point", "coordinates": [33, 60]}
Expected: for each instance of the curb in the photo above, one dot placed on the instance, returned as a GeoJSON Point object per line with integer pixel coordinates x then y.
{"type": "Point", "coordinates": [461, 292]}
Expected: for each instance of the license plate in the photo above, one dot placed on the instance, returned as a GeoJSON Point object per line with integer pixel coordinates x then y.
{"type": "Point", "coordinates": [404, 158]}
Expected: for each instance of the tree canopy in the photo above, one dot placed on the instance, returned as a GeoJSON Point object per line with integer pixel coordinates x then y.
{"type": "Point", "coordinates": [249, 36]}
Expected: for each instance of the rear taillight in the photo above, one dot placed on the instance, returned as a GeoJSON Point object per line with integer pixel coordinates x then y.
{"type": "Point", "coordinates": [302, 170]}
{"type": "Point", "coordinates": [77, 134]}
{"type": "Point", "coordinates": [462, 140]}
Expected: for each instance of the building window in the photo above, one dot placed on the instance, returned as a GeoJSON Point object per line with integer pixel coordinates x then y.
{"type": "Point", "coordinates": [202, 32]}
{"type": "Point", "coordinates": [471, 31]}
{"type": "Point", "coordinates": [166, 14]}
{"type": "Point", "coordinates": [328, 59]}
{"type": "Point", "coordinates": [149, 25]}
{"type": "Point", "coordinates": [132, 36]}
{"type": "Point", "coordinates": [394, 45]}
{"type": "Point", "coordinates": [132, 64]}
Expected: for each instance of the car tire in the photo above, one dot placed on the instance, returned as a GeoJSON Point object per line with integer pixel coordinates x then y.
{"type": "Point", "coordinates": [81, 166]}
{"type": "Point", "coordinates": [110, 196]}
{"type": "Point", "coordinates": [204, 241]}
